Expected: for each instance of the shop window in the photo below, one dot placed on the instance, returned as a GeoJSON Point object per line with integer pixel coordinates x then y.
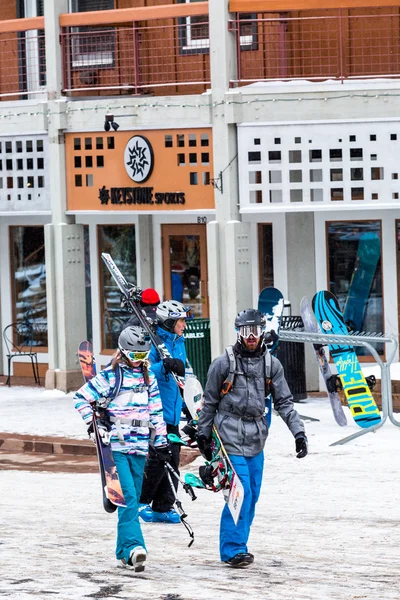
{"type": "Point", "coordinates": [265, 253]}
{"type": "Point", "coordinates": [119, 241]}
{"type": "Point", "coordinates": [355, 274]}
{"type": "Point", "coordinates": [29, 282]}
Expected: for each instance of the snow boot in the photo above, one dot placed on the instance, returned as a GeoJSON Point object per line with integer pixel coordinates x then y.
{"type": "Point", "coordinates": [243, 559]}
{"type": "Point", "coordinates": [136, 561]}
{"type": "Point", "coordinates": [170, 516]}
{"type": "Point", "coordinates": [146, 513]}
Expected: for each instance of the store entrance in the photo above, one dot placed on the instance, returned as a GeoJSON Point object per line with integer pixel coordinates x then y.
{"type": "Point", "coordinates": [185, 266]}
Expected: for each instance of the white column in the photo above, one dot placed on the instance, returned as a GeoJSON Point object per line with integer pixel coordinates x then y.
{"type": "Point", "coordinates": [64, 240]}
{"type": "Point", "coordinates": [229, 248]}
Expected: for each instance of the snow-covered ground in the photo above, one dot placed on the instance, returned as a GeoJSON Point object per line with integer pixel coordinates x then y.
{"type": "Point", "coordinates": [327, 527]}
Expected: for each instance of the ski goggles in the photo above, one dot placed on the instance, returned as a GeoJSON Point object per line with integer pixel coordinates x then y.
{"type": "Point", "coordinates": [136, 356]}
{"type": "Point", "coordinates": [255, 330]}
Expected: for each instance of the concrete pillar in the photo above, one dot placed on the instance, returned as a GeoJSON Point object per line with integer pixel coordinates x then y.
{"type": "Point", "coordinates": [229, 250]}
{"type": "Point", "coordinates": [300, 247]}
{"type": "Point", "coordinates": [144, 251]}
{"type": "Point", "coordinates": [63, 240]}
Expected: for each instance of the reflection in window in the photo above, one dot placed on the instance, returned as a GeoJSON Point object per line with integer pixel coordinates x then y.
{"type": "Point", "coordinates": [119, 241]}
{"type": "Point", "coordinates": [29, 277]}
{"type": "Point", "coordinates": [266, 255]}
{"type": "Point", "coordinates": [355, 274]}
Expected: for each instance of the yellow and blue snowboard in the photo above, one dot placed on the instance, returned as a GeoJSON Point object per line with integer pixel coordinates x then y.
{"type": "Point", "coordinates": [359, 398]}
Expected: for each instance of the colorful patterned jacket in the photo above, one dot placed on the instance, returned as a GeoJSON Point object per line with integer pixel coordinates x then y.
{"type": "Point", "coordinates": [136, 400]}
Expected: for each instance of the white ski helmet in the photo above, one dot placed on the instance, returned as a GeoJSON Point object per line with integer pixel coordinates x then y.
{"type": "Point", "coordinates": [134, 340]}
{"type": "Point", "coordinates": [169, 312]}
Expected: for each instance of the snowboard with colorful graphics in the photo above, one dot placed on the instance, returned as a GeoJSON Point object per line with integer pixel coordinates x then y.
{"type": "Point", "coordinates": [271, 304]}
{"type": "Point", "coordinates": [111, 486]}
{"type": "Point", "coordinates": [368, 254]}
{"type": "Point", "coordinates": [359, 398]}
{"type": "Point", "coordinates": [311, 326]}
{"type": "Point", "coordinates": [218, 473]}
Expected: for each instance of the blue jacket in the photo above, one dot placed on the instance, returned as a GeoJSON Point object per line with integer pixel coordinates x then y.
{"type": "Point", "coordinates": [171, 397]}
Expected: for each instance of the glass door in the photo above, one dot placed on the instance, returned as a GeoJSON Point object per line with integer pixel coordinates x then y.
{"type": "Point", "coordinates": [185, 266]}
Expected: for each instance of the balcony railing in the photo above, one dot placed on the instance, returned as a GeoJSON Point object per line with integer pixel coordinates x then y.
{"type": "Point", "coordinates": [137, 51]}
{"type": "Point", "coordinates": [22, 58]}
{"type": "Point", "coordinates": [339, 46]}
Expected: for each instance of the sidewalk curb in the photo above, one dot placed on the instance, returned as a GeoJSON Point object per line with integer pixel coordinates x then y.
{"type": "Point", "coordinates": [21, 443]}
{"type": "Point", "coordinates": [15, 442]}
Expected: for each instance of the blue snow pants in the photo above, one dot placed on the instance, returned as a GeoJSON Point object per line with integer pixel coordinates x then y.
{"type": "Point", "coordinates": [130, 469]}
{"type": "Point", "coordinates": [233, 538]}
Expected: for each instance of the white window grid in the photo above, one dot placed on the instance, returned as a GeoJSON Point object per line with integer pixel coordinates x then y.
{"type": "Point", "coordinates": [373, 180]}
{"type": "Point", "coordinates": [24, 173]}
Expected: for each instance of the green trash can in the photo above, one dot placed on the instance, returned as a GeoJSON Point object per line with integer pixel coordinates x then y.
{"type": "Point", "coordinates": [198, 347]}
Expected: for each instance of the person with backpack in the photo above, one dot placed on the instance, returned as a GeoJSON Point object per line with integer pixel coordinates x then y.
{"type": "Point", "coordinates": [238, 382]}
{"type": "Point", "coordinates": [157, 497]}
{"type": "Point", "coordinates": [127, 389]}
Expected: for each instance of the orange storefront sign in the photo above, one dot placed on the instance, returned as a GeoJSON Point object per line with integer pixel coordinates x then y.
{"type": "Point", "coordinates": [140, 170]}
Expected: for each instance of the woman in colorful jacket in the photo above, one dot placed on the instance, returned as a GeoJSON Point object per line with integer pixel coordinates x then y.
{"type": "Point", "coordinates": [156, 491]}
{"type": "Point", "coordinates": [133, 418]}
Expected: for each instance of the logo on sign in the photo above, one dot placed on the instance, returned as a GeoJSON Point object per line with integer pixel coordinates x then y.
{"type": "Point", "coordinates": [139, 158]}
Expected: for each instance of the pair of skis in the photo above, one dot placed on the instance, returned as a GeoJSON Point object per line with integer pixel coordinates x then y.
{"type": "Point", "coordinates": [226, 476]}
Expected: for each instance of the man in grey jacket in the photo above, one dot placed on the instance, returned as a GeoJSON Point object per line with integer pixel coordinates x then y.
{"type": "Point", "coordinates": [235, 403]}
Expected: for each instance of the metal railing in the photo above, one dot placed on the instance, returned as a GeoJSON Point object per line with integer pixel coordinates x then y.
{"type": "Point", "coordinates": [139, 59]}
{"type": "Point", "coordinates": [365, 340]}
{"type": "Point", "coordinates": [22, 64]}
{"type": "Point", "coordinates": [338, 46]}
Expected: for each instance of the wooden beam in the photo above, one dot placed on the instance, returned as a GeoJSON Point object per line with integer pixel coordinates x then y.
{"type": "Point", "coordinates": [277, 6]}
{"type": "Point", "coordinates": [126, 15]}
{"type": "Point", "coordinates": [21, 24]}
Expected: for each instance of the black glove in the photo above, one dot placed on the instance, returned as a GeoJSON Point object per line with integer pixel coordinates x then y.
{"type": "Point", "coordinates": [163, 453]}
{"type": "Point", "coordinates": [175, 365]}
{"type": "Point", "coordinates": [204, 445]}
{"type": "Point", "coordinates": [301, 445]}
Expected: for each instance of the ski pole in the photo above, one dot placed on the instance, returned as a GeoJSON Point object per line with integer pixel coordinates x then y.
{"type": "Point", "coordinates": [178, 503]}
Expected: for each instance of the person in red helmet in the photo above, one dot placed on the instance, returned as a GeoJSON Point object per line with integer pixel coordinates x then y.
{"type": "Point", "coordinates": [148, 302]}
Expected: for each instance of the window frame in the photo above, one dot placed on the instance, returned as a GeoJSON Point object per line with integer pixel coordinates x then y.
{"type": "Point", "coordinates": [187, 46]}
{"type": "Point", "coordinates": [91, 60]}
